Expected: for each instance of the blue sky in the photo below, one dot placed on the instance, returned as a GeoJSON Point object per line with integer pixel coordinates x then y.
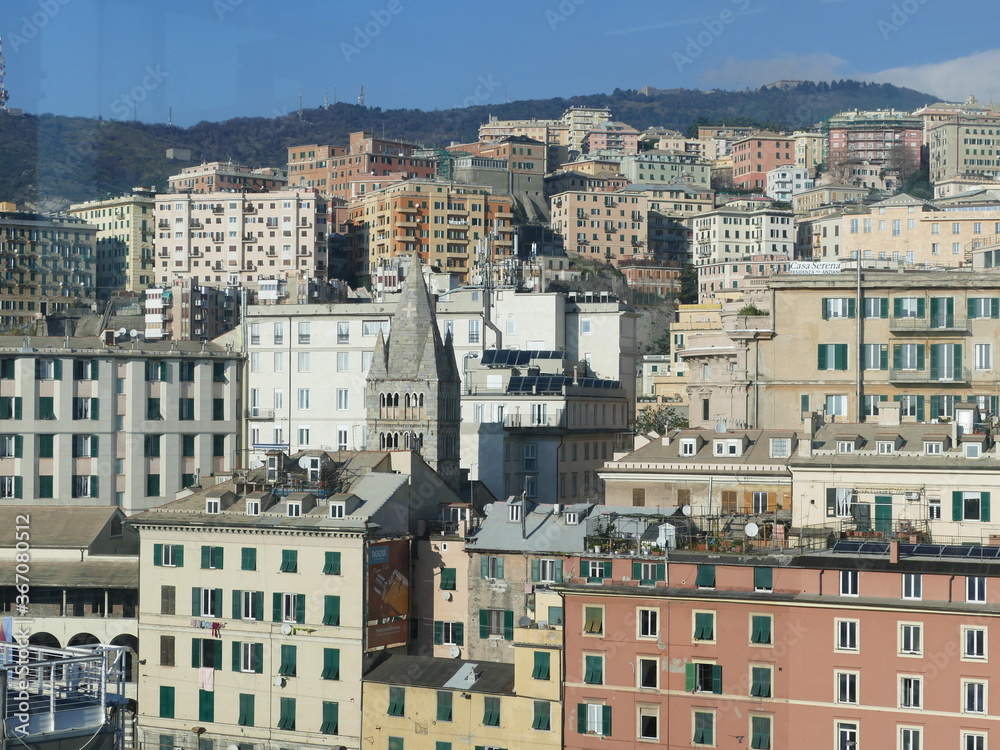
{"type": "Point", "coordinates": [217, 59]}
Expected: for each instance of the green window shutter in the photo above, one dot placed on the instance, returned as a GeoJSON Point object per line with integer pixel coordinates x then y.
{"type": "Point", "coordinates": [884, 307]}
{"type": "Point", "coordinates": [535, 564]}
{"type": "Point", "coordinates": [559, 563]}
{"type": "Point", "coordinates": [542, 665]}
{"type": "Point", "coordinates": [218, 409]}
{"type": "Point", "coordinates": [95, 446]}
{"type": "Point", "coordinates": [178, 555]}
{"type": "Point", "coordinates": [636, 571]}
{"type": "Point", "coordinates": [438, 632]}
{"type": "Point", "coordinates": [936, 313]}
{"type": "Point", "coordinates": [704, 626]}
{"type": "Point", "coordinates": [331, 718]}
{"type": "Point", "coordinates": [581, 718]}
{"type": "Point", "coordinates": [95, 409]}
{"type": "Point", "coordinates": [593, 673]}
{"type": "Point", "coordinates": [508, 625]}
{"type": "Point", "coordinates": [196, 652]}
{"type": "Point", "coordinates": [883, 357]}
{"type": "Point", "coordinates": [166, 702]}
{"type": "Point", "coordinates": [258, 658]}
{"type": "Point", "coordinates": [970, 307]}
{"type": "Point", "coordinates": [984, 509]}
{"type": "Point", "coordinates": [826, 308]}
{"type": "Point", "coordinates": [217, 602]}
{"type": "Point", "coordinates": [289, 561]}
{"type": "Point", "coordinates": [821, 357]}
{"type": "Point", "coordinates": [258, 606]}
{"type": "Point", "coordinates": [246, 717]}
{"type": "Point", "coordinates": [331, 564]}
{"type": "Point", "coordinates": [45, 446]}
{"type": "Point", "coordinates": [18, 487]}
{"type": "Point", "coordinates": [956, 506]}
{"type": "Point", "coordinates": [448, 579]}
{"type": "Point", "coordinates": [851, 307]}
{"type": "Point", "coordinates": [5, 403]}
{"type": "Point", "coordinates": [717, 678]}
{"type": "Point", "coordinates": [57, 369]}
{"type": "Point", "coordinates": [804, 402]}
{"type": "Point", "coordinates": [206, 557]}
{"type": "Point", "coordinates": [995, 307]}
{"type": "Point", "coordinates": [661, 571]}
{"type": "Point", "coordinates": [276, 607]}
{"type": "Point", "coordinates": [444, 705]}
{"type": "Point", "coordinates": [760, 732]}
{"type": "Point", "coordinates": [289, 660]}
{"type": "Point", "coordinates": [840, 356]}
{"type": "Point", "coordinates": [17, 407]}
{"type": "Point", "coordinates": [45, 486]}
{"type": "Point", "coordinates": [542, 716]}
{"type": "Point", "coordinates": [920, 408]}
{"type": "Point", "coordinates": [19, 446]}
{"type": "Point", "coordinates": [484, 624]}
{"type": "Point", "coordinates": [300, 608]}
{"type": "Point", "coordinates": [237, 604]}
{"type": "Point", "coordinates": [484, 567]}
{"type": "Point", "coordinates": [248, 558]}
{"type": "Point", "coordinates": [761, 631]}
{"type": "Point", "coordinates": [95, 485]}
{"type": "Point", "coordinates": [935, 406]}
{"type": "Point", "coordinates": [763, 578]}
{"type": "Point", "coordinates": [957, 361]}
{"type": "Point", "coordinates": [236, 656]}
{"type": "Point", "coordinates": [331, 610]}
{"type": "Point", "coordinates": [331, 664]}
{"type": "Point", "coordinates": [286, 720]}
{"type": "Point", "coordinates": [459, 629]}
{"type": "Point", "coordinates": [606, 721]}
{"type": "Point", "coordinates": [689, 678]}
{"type": "Point", "coordinates": [499, 568]}
{"type": "Point", "coordinates": [897, 308]}
{"type": "Point", "coordinates": [157, 554]}
{"type": "Point", "coordinates": [706, 577]}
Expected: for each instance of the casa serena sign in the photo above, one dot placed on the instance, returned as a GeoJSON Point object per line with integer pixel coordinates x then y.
{"type": "Point", "coordinates": [811, 267]}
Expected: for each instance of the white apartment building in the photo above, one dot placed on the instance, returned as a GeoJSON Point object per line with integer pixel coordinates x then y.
{"type": "Point", "coordinates": [787, 180]}
{"type": "Point", "coordinates": [738, 231]}
{"type": "Point", "coordinates": [229, 238]}
{"type": "Point", "coordinates": [84, 422]}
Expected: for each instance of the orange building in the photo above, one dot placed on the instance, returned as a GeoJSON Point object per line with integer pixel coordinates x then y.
{"type": "Point", "coordinates": [217, 176]}
{"type": "Point", "coordinates": [757, 154]}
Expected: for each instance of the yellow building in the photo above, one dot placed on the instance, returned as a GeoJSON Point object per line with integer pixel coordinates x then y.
{"type": "Point", "coordinates": [125, 230]}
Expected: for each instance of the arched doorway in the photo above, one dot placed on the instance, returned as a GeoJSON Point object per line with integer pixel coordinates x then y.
{"type": "Point", "coordinates": [45, 640]}
{"type": "Point", "coordinates": [131, 645]}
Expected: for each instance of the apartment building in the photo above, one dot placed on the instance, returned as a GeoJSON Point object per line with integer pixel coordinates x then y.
{"type": "Point", "coordinates": [188, 311]}
{"type": "Point", "coordinates": [612, 136]}
{"type": "Point", "coordinates": [934, 114]}
{"type": "Point", "coordinates": [333, 170]}
{"type": "Point", "coordinates": [964, 146]}
{"type": "Point", "coordinates": [230, 239]}
{"type": "Point", "coordinates": [515, 165]}
{"type": "Point", "coordinates": [652, 277]}
{"type": "Point", "coordinates": [282, 587]}
{"type": "Point", "coordinates": [766, 650]}
{"type": "Point", "coordinates": [874, 135]}
{"type": "Point", "coordinates": [825, 198]}
{"type": "Point", "coordinates": [50, 265]}
{"type": "Point", "coordinates": [810, 150]}
{"type": "Point", "coordinates": [441, 223]}
{"type": "Point", "coordinates": [671, 167]}
{"type": "Point", "coordinates": [757, 154]}
{"type": "Point", "coordinates": [741, 230]}
{"type": "Point", "coordinates": [924, 338]}
{"type": "Point", "coordinates": [127, 424]}
{"type": "Point", "coordinates": [575, 178]}
{"type": "Point", "coordinates": [728, 280]}
{"type": "Point", "coordinates": [124, 240]}
{"type": "Point", "coordinates": [223, 177]}
{"type": "Point", "coordinates": [786, 181]}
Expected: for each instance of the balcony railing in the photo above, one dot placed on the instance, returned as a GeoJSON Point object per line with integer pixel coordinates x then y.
{"type": "Point", "coordinates": [556, 419]}
{"type": "Point", "coordinates": [939, 375]}
{"type": "Point", "coordinates": [937, 323]}
{"type": "Point", "coordinates": [255, 412]}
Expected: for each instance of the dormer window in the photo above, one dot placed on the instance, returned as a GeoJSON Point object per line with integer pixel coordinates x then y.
{"type": "Point", "coordinates": [933, 449]}
{"type": "Point", "coordinates": [973, 450]}
{"type": "Point", "coordinates": [514, 513]}
{"type": "Point", "coordinates": [293, 510]}
{"type": "Point", "coordinates": [688, 446]}
{"type": "Point", "coordinates": [253, 507]}
{"type": "Point", "coordinates": [212, 506]}
{"type": "Point", "coordinates": [845, 446]}
{"type": "Point", "coordinates": [886, 446]}
{"type": "Point", "coordinates": [780, 447]}
{"type": "Point", "coordinates": [731, 447]}
{"type": "Point", "coordinates": [337, 510]}
{"type": "Point", "coordinates": [572, 519]}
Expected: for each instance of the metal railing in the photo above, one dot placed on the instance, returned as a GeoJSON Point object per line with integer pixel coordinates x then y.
{"type": "Point", "coordinates": [940, 375]}
{"type": "Point", "coordinates": [929, 323]}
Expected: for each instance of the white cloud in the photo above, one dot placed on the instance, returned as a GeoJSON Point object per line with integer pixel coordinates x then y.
{"type": "Point", "coordinates": [952, 80]}
{"type": "Point", "coordinates": [737, 74]}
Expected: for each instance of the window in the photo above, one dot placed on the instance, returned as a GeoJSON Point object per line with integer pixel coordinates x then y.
{"type": "Point", "coordinates": [832, 357]}
{"type": "Point", "coordinates": [972, 450]}
{"type": "Point", "coordinates": [289, 608]}
{"type": "Point", "coordinates": [492, 567]}
{"type": "Point", "coordinates": [984, 356]}
{"type": "Point", "coordinates": [876, 307]}
{"type": "Point", "coordinates": [293, 510]}
{"type": "Point", "coordinates": [208, 602]}
{"type": "Point", "coordinates": [342, 399]}
{"type": "Point", "coordinates": [910, 689]}
{"type": "Point", "coordinates": [649, 573]}
{"type": "Point", "coordinates": [474, 331]}
{"type": "Point", "coordinates": [848, 583]}
{"type": "Point", "coordinates": [251, 657]}
{"type": "Point", "coordinates": [975, 588]}
{"type": "Point", "coordinates": [593, 620]}
{"type": "Point", "coordinates": [541, 716]}
{"type": "Point", "coordinates": [705, 578]}
{"type": "Point", "coordinates": [248, 605]}
{"type": "Point", "coordinates": [331, 718]}
{"type": "Point", "coordinates": [546, 571]}
{"type": "Point", "coordinates": [909, 738]}
{"type": "Point", "coordinates": [331, 610]}
{"type": "Point", "coordinates": [704, 626]}
{"type": "Point", "coordinates": [974, 640]}
{"type": "Point", "coordinates": [908, 307]}
{"type": "Point", "coordinates": [838, 307]}
{"type": "Point", "coordinates": [847, 687]}
{"type": "Point", "coordinates": [397, 701]}
{"type": "Point", "coordinates": [305, 335]}
{"type": "Point", "coordinates": [909, 638]}
{"type": "Point", "coordinates": [780, 447]}
{"type": "Point", "coordinates": [331, 564]}
{"type": "Point", "coordinates": [970, 741]}
{"type": "Point", "coordinates": [688, 446]}
{"type": "Point", "coordinates": [304, 399]}
{"type": "Point", "coordinates": [704, 728]}
{"type": "Point", "coordinates": [760, 682]}
{"type": "Point", "coordinates": [288, 666]}
{"type": "Point", "coordinates": [496, 623]}
{"type": "Point", "coordinates": [286, 717]}
{"type": "Point", "coordinates": [649, 623]}
{"type": "Point", "coordinates": [595, 571]}
{"type": "Point", "coordinates": [448, 579]}
{"type": "Point", "coordinates": [445, 707]}
{"type": "Point", "coordinates": [331, 664]}
{"type": "Point", "coordinates": [542, 666]}
{"type": "Point", "coordinates": [760, 629]}
{"type": "Point", "coordinates": [836, 406]}
{"type": "Point", "coordinates": [975, 697]}
{"type": "Point", "coordinates": [343, 361]}
{"type": "Point", "coordinates": [913, 585]}
{"type": "Point", "coordinates": [763, 579]}
{"type": "Point", "coordinates": [847, 735]}
{"type": "Point", "coordinates": [760, 732]}
{"type": "Point", "coordinates": [166, 702]}
{"type": "Point", "coordinates": [847, 635]}
{"type": "Point", "coordinates": [970, 506]}
{"type": "Point", "coordinates": [167, 650]}
{"type": "Point", "coordinates": [491, 711]}
{"type": "Point", "coordinates": [289, 561]}
{"type": "Point", "coordinates": [211, 558]}
{"type": "Point", "coordinates": [845, 446]}
{"type": "Point", "coordinates": [594, 718]}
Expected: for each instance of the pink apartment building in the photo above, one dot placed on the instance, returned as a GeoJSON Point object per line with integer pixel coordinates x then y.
{"type": "Point", "coordinates": [834, 650]}
{"type": "Point", "coordinates": [757, 154]}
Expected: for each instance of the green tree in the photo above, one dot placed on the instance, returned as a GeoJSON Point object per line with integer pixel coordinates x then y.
{"type": "Point", "coordinates": [658, 419]}
{"type": "Point", "coordinates": [689, 284]}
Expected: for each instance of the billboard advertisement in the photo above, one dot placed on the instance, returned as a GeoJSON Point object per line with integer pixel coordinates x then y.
{"type": "Point", "coordinates": [388, 593]}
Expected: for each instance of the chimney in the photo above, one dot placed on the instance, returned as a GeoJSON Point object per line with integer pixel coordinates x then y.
{"type": "Point", "coordinates": [893, 552]}
{"type": "Point", "coordinates": [805, 445]}
{"type": "Point", "coordinates": [888, 414]}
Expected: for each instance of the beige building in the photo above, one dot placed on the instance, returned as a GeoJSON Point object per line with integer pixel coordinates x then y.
{"type": "Point", "coordinates": [739, 230]}
{"type": "Point", "coordinates": [266, 598]}
{"type": "Point", "coordinates": [230, 239]}
{"type": "Point", "coordinates": [810, 149]}
{"type": "Point", "coordinates": [824, 198]}
{"type": "Point", "coordinates": [219, 177]}
{"type": "Point", "coordinates": [124, 242]}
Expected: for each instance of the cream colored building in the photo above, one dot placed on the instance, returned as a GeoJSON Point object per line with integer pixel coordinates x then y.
{"type": "Point", "coordinates": [824, 198]}
{"type": "Point", "coordinates": [740, 230]}
{"type": "Point", "coordinates": [964, 145]}
{"type": "Point", "coordinates": [810, 149]}
{"type": "Point", "coordinates": [266, 598]}
{"type": "Point", "coordinates": [124, 243]}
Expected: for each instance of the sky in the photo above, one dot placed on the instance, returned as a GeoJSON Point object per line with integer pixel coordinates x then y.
{"type": "Point", "coordinates": [219, 59]}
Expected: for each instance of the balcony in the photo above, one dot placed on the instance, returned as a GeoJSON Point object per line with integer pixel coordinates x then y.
{"type": "Point", "coordinates": [263, 415]}
{"type": "Point", "coordinates": [248, 208]}
{"type": "Point", "coordinates": [940, 324]}
{"type": "Point", "coordinates": [558, 419]}
{"type": "Point", "coordinates": [957, 375]}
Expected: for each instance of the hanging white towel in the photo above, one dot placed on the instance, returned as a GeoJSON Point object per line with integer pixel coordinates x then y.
{"type": "Point", "coordinates": [206, 679]}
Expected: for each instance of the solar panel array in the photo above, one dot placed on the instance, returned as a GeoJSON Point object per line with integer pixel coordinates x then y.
{"type": "Point", "coordinates": [970, 552]}
{"type": "Point", "coordinates": [555, 383]}
{"type": "Point", "coordinates": [517, 357]}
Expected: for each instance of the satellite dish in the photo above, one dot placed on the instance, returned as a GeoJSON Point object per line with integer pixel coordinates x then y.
{"type": "Point", "coordinates": [686, 510]}
{"type": "Point", "coordinates": [454, 652]}
{"type": "Point", "coordinates": [279, 681]}
{"type": "Point", "coordinates": [720, 426]}
{"type": "Point", "coordinates": [305, 462]}
{"type": "Point", "coordinates": [133, 333]}
{"type": "Point", "coordinates": [524, 622]}
{"type": "Point", "coordinates": [256, 463]}
{"type": "Point", "coordinates": [286, 629]}
{"type": "Point", "coordinates": [487, 508]}
{"type": "Point", "coordinates": [751, 529]}
{"type": "Point", "coordinates": [232, 747]}
{"type": "Point", "coordinates": [446, 595]}
{"type": "Point", "coordinates": [121, 332]}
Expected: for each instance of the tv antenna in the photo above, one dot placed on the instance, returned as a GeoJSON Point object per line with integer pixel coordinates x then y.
{"type": "Point", "coordinates": [361, 97]}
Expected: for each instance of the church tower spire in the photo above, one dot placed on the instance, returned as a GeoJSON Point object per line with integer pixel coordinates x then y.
{"type": "Point", "coordinates": [414, 388]}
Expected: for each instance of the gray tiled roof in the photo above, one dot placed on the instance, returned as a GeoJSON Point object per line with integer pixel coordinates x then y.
{"type": "Point", "coordinates": [432, 672]}
{"type": "Point", "coordinates": [63, 526]}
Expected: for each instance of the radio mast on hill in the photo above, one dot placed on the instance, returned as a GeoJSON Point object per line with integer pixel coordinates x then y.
{"type": "Point", "coordinates": [3, 88]}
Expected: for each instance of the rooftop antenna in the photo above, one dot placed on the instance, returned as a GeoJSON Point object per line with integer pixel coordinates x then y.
{"type": "Point", "coordinates": [300, 104]}
{"type": "Point", "coordinates": [170, 117]}
{"type": "Point", "coordinates": [3, 88]}
{"type": "Point", "coordinates": [361, 97]}
{"type": "Point", "coordinates": [326, 100]}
